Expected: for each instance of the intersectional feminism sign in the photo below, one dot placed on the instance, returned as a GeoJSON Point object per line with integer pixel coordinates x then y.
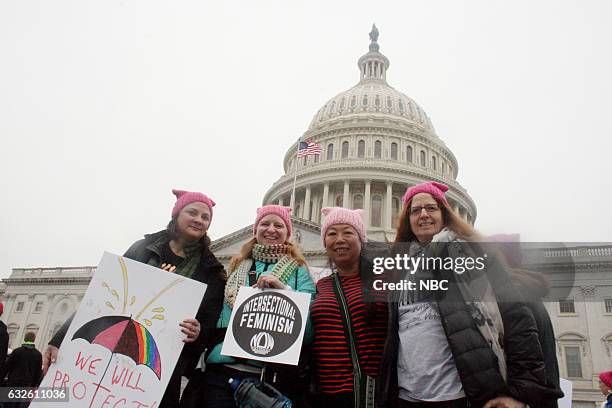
{"type": "Point", "coordinates": [125, 339]}
{"type": "Point", "coordinates": [267, 325]}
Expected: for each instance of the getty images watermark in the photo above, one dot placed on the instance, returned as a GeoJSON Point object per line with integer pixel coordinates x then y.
{"type": "Point", "coordinates": [483, 271]}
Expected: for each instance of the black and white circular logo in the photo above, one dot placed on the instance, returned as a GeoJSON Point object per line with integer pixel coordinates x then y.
{"type": "Point", "coordinates": [267, 324]}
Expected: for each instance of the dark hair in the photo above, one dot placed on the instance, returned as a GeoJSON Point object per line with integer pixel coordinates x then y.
{"type": "Point", "coordinates": [174, 234]}
{"type": "Point", "coordinates": [30, 337]}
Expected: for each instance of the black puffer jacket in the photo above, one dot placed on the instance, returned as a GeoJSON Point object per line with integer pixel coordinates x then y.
{"type": "Point", "coordinates": [476, 363]}
{"type": "Point", "coordinates": [209, 271]}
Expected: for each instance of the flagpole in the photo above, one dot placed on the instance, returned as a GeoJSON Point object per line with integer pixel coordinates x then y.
{"type": "Point", "coordinates": [292, 202]}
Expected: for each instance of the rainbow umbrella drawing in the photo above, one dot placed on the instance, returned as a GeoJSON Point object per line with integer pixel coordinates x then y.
{"type": "Point", "coordinates": [123, 335]}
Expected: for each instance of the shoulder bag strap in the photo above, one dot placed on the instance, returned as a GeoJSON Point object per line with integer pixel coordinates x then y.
{"type": "Point", "coordinates": [348, 331]}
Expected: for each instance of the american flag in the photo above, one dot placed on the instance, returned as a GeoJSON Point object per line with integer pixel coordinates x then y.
{"type": "Point", "coordinates": [309, 148]}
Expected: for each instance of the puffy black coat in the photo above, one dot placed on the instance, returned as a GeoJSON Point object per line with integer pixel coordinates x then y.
{"type": "Point", "coordinates": [476, 363]}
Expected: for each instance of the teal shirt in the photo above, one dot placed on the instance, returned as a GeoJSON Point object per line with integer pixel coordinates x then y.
{"type": "Point", "coordinates": [299, 281]}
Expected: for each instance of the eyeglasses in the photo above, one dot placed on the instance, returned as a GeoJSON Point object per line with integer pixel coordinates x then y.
{"type": "Point", "coordinates": [429, 208]}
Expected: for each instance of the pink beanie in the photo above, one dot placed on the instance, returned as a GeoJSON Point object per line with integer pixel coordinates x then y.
{"type": "Point", "coordinates": [434, 188]}
{"type": "Point", "coordinates": [339, 215]}
{"type": "Point", "coordinates": [281, 211]}
{"type": "Point", "coordinates": [184, 198]}
{"type": "Point", "coordinates": [606, 378]}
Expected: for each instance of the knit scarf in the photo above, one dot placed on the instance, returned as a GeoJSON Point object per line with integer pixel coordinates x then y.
{"type": "Point", "coordinates": [192, 252]}
{"type": "Point", "coordinates": [485, 314]}
{"type": "Point", "coordinates": [284, 267]}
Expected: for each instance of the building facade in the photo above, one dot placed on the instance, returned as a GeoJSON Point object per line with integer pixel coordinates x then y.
{"type": "Point", "coordinates": [375, 142]}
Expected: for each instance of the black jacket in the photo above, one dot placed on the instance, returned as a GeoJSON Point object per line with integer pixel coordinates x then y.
{"type": "Point", "coordinates": [476, 362]}
{"type": "Point", "coordinates": [23, 367]}
{"type": "Point", "coordinates": [534, 287]}
{"type": "Point", "coordinates": [209, 271]}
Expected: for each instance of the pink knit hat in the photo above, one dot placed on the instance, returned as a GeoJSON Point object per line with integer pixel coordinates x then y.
{"type": "Point", "coordinates": [339, 215]}
{"type": "Point", "coordinates": [184, 198]}
{"type": "Point", "coordinates": [434, 188]}
{"type": "Point", "coordinates": [281, 211]}
{"type": "Point", "coordinates": [606, 378]}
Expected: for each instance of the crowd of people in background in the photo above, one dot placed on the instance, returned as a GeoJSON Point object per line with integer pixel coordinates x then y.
{"type": "Point", "coordinates": [362, 348]}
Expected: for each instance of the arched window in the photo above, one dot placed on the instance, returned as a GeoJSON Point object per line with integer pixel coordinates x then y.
{"type": "Point", "coordinates": [316, 158]}
{"type": "Point", "coordinates": [353, 101]}
{"type": "Point", "coordinates": [339, 200]}
{"type": "Point", "coordinates": [573, 349]}
{"type": "Point", "coordinates": [297, 210]}
{"type": "Point", "coordinates": [364, 102]}
{"type": "Point", "coordinates": [342, 104]}
{"type": "Point", "coordinates": [376, 211]}
{"type": "Point", "coordinates": [389, 102]}
{"type": "Point", "coordinates": [378, 149]}
{"type": "Point", "coordinates": [331, 108]}
{"type": "Point", "coordinates": [305, 160]}
{"type": "Point", "coordinates": [433, 163]}
{"type": "Point", "coordinates": [395, 207]}
{"type": "Point", "coordinates": [409, 154]}
{"type": "Point", "coordinates": [357, 201]}
{"type": "Point", "coordinates": [393, 151]}
{"type": "Point", "coordinates": [377, 101]}
{"type": "Point", "coordinates": [400, 104]}
{"type": "Point", "coordinates": [443, 168]}
{"type": "Point", "coordinates": [345, 147]}
{"type": "Point", "coordinates": [330, 151]}
{"type": "Point", "coordinates": [361, 148]}
{"type": "Point", "coordinates": [422, 158]}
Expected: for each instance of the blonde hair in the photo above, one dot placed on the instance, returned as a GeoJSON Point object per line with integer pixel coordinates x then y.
{"type": "Point", "coordinates": [247, 249]}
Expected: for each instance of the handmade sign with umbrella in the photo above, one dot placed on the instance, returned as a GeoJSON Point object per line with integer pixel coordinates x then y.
{"type": "Point", "coordinates": [124, 335]}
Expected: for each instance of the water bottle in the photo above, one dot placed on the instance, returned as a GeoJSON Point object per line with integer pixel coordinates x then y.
{"type": "Point", "coordinates": [252, 393]}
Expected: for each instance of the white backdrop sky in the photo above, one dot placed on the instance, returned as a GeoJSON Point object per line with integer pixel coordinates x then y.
{"type": "Point", "coordinates": [107, 105]}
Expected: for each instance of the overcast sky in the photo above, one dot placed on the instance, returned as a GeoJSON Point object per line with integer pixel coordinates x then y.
{"type": "Point", "coordinates": [106, 106]}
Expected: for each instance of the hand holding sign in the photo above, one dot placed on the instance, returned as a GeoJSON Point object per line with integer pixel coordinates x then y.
{"type": "Point", "coordinates": [267, 325]}
{"type": "Point", "coordinates": [269, 281]}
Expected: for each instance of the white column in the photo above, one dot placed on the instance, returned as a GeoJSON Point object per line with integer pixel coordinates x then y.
{"type": "Point", "coordinates": [367, 203]}
{"type": "Point", "coordinates": [388, 203]}
{"type": "Point", "coordinates": [307, 204]}
{"type": "Point", "coordinates": [326, 194]}
{"type": "Point", "coordinates": [345, 198]}
{"type": "Point", "coordinates": [301, 214]}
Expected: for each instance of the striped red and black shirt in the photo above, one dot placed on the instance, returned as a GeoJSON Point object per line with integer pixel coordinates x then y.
{"type": "Point", "coordinates": [330, 347]}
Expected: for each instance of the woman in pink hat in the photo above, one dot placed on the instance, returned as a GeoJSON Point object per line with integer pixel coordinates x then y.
{"type": "Point", "coordinates": [181, 248]}
{"type": "Point", "coordinates": [268, 260]}
{"type": "Point", "coordinates": [349, 331]}
{"type": "Point", "coordinates": [605, 385]}
{"type": "Point", "coordinates": [461, 346]}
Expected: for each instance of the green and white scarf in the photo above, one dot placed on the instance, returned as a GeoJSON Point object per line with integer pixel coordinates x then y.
{"type": "Point", "coordinates": [278, 253]}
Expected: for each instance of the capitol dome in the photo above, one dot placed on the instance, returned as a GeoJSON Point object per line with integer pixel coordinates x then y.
{"type": "Point", "coordinates": [375, 142]}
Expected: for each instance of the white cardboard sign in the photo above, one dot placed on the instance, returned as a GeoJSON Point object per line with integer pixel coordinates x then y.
{"type": "Point", "coordinates": [125, 339]}
{"type": "Point", "coordinates": [267, 325]}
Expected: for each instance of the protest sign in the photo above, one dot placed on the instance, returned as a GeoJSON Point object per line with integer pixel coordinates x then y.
{"type": "Point", "coordinates": [125, 339]}
{"type": "Point", "coordinates": [267, 325]}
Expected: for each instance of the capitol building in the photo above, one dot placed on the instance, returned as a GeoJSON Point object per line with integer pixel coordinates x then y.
{"type": "Point", "coordinates": [376, 142]}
